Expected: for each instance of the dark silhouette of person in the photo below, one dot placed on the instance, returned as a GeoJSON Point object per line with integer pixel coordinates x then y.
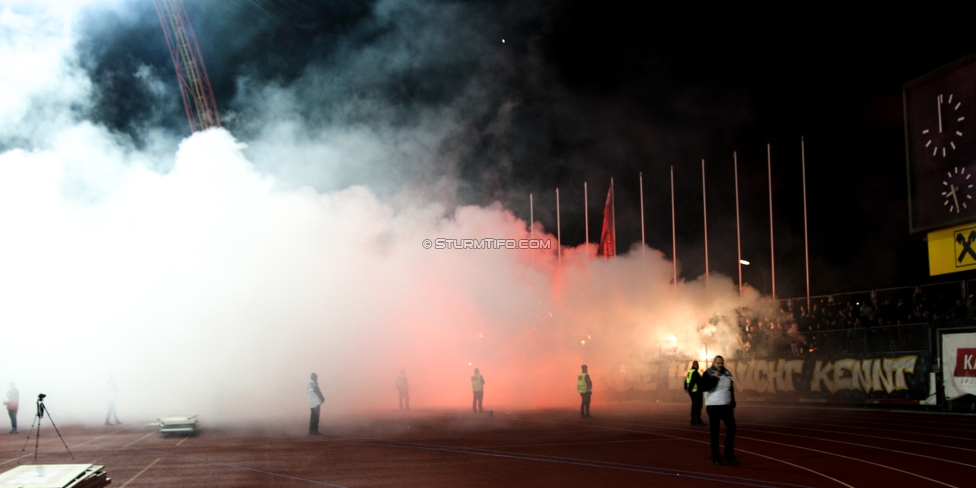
{"type": "Point", "coordinates": [585, 388]}
{"type": "Point", "coordinates": [315, 400]}
{"type": "Point", "coordinates": [478, 388]}
{"type": "Point", "coordinates": [692, 386]}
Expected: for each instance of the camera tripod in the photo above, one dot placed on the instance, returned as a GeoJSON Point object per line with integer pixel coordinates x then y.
{"type": "Point", "coordinates": [41, 410]}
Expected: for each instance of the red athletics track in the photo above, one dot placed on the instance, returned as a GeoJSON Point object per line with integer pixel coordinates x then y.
{"type": "Point", "coordinates": [623, 445]}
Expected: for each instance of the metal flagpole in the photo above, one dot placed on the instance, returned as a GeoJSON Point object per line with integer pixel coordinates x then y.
{"type": "Point", "coordinates": [772, 252]}
{"type": "Point", "coordinates": [674, 242]}
{"type": "Point", "coordinates": [613, 216]}
{"type": "Point", "coordinates": [738, 232]}
{"type": "Point", "coordinates": [641, 177]}
{"type": "Point", "coordinates": [586, 214]}
{"type": "Point", "coordinates": [559, 234]}
{"type": "Point", "coordinates": [705, 216]}
{"type": "Point", "coordinates": [806, 240]}
{"type": "Point", "coordinates": [531, 219]}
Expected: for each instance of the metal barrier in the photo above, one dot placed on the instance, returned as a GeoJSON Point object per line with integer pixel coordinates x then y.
{"type": "Point", "coordinates": [862, 340]}
{"type": "Point", "coordinates": [878, 339]}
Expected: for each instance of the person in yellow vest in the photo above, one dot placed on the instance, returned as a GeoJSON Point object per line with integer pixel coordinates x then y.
{"type": "Point", "coordinates": [478, 387]}
{"type": "Point", "coordinates": [692, 382]}
{"type": "Point", "coordinates": [585, 388]}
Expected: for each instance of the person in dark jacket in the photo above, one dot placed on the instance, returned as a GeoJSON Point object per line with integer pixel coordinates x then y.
{"type": "Point", "coordinates": [720, 405]}
{"type": "Point", "coordinates": [692, 382]}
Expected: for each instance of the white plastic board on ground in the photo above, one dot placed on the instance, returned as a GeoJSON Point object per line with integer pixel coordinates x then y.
{"type": "Point", "coordinates": [959, 364]}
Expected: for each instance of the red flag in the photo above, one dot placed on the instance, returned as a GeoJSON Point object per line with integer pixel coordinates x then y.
{"type": "Point", "coordinates": [607, 248]}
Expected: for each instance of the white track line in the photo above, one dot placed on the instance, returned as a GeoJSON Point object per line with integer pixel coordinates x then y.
{"type": "Point", "coordinates": [825, 452]}
{"type": "Point", "coordinates": [818, 473]}
{"type": "Point", "coordinates": [848, 457]}
{"type": "Point", "coordinates": [140, 472]}
{"type": "Point", "coordinates": [897, 439]}
{"type": "Point", "coordinates": [74, 446]}
{"type": "Point", "coordinates": [182, 441]}
{"type": "Point", "coordinates": [867, 435]}
{"type": "Point", "coordinates": [880, 427]}
{"type": "Point", "coordinates": [139, 439]}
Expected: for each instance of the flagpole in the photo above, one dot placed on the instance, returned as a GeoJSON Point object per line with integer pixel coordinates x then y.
{"type": "Point", "coordinates": [772, 252]}
{"type": "Point", "coordinates": [674, 241]}
{"type": "Point", "coordinates": [559, 234]}
{"type": "Point", "coordinates": [806, 240]}
{"type": "Point", "coordinates": [705, 216]}
{"type": "Point", "coordinates": [586, 213]}
{"type": "Point", "coordinates": [641, 177]}
{"type": "Point", "coordinates": [738, 231]}
{"type": "Point", "coordinates": [613, 216]}
{"type": "Point", "coordinates": [531, 219]}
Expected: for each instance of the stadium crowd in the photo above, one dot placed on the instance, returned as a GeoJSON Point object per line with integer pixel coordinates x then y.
{"type": "Point", "coordinates": [844, 326]}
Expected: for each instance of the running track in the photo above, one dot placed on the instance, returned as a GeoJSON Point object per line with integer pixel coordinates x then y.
{"type": "Point", "coordinates": [623, 445]}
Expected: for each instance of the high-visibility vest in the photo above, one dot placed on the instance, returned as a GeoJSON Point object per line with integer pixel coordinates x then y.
{"type": "Point", "coordinates": [694, 389]}
{"type": "Point", "coordinates": [477, 382]}
{"type": "Point", "coordinates": [581, 383]}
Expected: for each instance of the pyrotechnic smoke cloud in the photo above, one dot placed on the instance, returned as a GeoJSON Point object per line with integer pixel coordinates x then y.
{"type": "Point", "coordinates": [212, 287]}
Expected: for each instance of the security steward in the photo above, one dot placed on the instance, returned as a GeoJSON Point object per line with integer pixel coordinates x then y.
{"type": "Point", "coordinates": [478, 389]}
{"type": "Point", "coordinates": [692, 382]}
{"type": "Point", "coordinates": [585, 388]}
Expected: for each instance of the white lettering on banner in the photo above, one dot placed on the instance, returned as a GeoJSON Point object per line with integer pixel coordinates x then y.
{"type": "Point", "coordinates": [821, 375]}
{"type": "Point", "coordinates": [968, 359]}
{"type": "Point", "coordinates": [766, 376]}
{"type": "Point", "coordinates": [881, 374]}
{"type": "Point", "coordinates": [777, 375]}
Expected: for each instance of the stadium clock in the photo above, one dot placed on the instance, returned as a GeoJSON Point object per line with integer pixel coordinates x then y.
{"type": "Point", "coordinates": [957, 190]}
{"type": "Point", "coordinates": [947, 129]}
{"type": "Point", "coordinates": [940, 133]}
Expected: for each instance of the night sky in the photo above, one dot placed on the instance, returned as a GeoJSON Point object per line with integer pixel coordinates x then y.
{"type": "Point", "coordinates": [582, 92]}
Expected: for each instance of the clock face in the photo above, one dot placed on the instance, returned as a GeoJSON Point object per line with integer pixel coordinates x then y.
{"type": "Point", "coordinates": [947, 130]}
{"type": "Point", "coordinates": [940, 130]}
{"type": "Point", "coordinates": [957, 190]}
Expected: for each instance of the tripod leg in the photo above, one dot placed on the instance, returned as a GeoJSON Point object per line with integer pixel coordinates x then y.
{"type": "Point", "coordinates": [31, 431]}
{"type": "Point", "coordinates": [59, 435]}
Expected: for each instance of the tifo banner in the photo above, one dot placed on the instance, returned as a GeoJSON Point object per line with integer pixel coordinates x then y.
{"type": "Point", "coordinates": [854, 377]}
{"type": "Point", "coordinates": [959, 364]}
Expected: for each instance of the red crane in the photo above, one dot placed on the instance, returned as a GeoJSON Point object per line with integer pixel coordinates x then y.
{"type": "Point", "coordinates": [191, 73]}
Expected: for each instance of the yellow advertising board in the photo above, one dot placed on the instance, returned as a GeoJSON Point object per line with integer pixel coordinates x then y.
{"type": "Point", "coordinates": [952, 250]}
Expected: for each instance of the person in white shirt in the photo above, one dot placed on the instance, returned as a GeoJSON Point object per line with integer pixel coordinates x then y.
{"type": "Point", "coordinates": [315, 400]}
{"type": "Point", "coordinates": [720, 405]}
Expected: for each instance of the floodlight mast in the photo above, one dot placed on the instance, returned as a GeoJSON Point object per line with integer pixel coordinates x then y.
{"type": "Point", "coordinates": [191, 73]}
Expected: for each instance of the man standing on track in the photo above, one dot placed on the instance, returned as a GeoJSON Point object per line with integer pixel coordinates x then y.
{"type": "Point", "coordinates": [113, 394]}
{"type": "Point", "coordinates": [478, 388]}
{"type": "Point", "coordinates": [315, 400]}
{"type": "Point", "coordinates": [12, 401]}
{"type": "Point", "coordinates": [691, 386]}
{"type": "Point", "coordinates": [403, 390]}
{"type": "Point", "coordinates": [585, 388]}
{"type": "Point", "coordinates": [720, 405]}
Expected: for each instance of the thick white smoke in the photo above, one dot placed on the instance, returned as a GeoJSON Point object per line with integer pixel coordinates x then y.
{"type": "Point", "coordinates": [212, 288]}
